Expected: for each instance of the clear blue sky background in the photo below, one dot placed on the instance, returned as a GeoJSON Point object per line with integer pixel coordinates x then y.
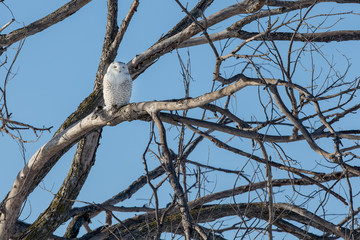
{"type": "Point", "coordinates": [55, 72]}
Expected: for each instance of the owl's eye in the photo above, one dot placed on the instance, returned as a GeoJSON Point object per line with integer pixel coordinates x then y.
{"type": "Point", "coordinates": [115, 67]}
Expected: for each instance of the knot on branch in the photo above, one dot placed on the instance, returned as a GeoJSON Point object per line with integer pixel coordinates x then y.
{"type": "Point", "coordinates": [254, 5]}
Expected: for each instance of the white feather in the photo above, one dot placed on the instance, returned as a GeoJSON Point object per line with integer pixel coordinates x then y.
{"type": "Point", "coordinates": [117, 85]}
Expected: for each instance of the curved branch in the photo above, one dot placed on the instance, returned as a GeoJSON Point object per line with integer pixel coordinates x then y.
{"type": "Point", "coordinates": [95, 209]}
{"type": "Point", "coordinates": [196, 12]}
{"type": "Point", "coordinates": [175, 119]}
{"type": "Point", "coordinates": [304, 181]}
{"type": "Point", "coordinates": [145, 225]}
{"type": "Point", "coordinates": [297, 124]}
{"type": "Point", "coordinates": [304, 3]}
{"type": "Point", "coordinates": [332, 36]}
{"type": "Point", "coordinates": [142, 61]}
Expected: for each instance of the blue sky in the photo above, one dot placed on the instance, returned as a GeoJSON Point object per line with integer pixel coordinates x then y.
{"type": "Point", "coordinates": [56, 70]}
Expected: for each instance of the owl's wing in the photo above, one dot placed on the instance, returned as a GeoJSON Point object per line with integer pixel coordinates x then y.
{"type": "Point", "coordinates": [108, 92]}
{"type": "Point", "coordinates": [106, 82]}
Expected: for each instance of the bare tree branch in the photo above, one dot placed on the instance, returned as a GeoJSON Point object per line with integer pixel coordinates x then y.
{"type": "Point", "coordinates": [43, 23]}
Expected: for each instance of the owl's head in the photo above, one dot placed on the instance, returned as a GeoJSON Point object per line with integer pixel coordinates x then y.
{"type": "Point", "coordinates": [118, 67]}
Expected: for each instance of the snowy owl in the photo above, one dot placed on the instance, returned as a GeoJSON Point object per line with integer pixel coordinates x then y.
{"type": "Point", "coordinates": [117, 85]}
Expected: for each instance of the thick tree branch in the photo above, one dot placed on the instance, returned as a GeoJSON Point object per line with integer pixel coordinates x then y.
{"type": "Point", "coordinates": [331, 36]}
{"type": "Point", "coordinates": [56, 213]}
{"type": "Point", "coordinates": [113, 38]}
{"type": "Point", "coordinates": [175, 119]}
{"type": "Point", "coordinates": [196, 12]}
{"type": "Point", "coordinates": [304, 3]}
{"type": "Point", "coordinates": [43, 23]}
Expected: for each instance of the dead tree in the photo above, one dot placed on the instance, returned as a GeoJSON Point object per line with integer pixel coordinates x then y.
{"type": "Point", "coordinates": [274, 93]}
